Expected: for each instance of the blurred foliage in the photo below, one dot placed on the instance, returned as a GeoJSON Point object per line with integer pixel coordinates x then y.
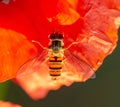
{"type": "Point", "coordinates": [103, 91]}
{"type": "Point", "coordinates": [3, 90]}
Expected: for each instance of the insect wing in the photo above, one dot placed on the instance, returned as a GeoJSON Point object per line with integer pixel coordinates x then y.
{"type": "Point", "coordinates": [75, 68]}
{"type": "Point", "coordinates": [36, 64]}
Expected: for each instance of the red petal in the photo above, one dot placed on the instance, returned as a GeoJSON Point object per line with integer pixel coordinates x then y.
{"type": "Point", "coordinates": [33, 85]}
{"type": "Point", "coordinates": [114, 4]}
{"type": "Point", "coordinates": [92, 23]}
{"type": "Point", "coordinates": [15, 49]}
{"type": "Point", "coordinates": [8, 104]}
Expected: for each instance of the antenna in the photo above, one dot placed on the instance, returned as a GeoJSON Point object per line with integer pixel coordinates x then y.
{"type": "Point", "coordinates": [39, 44]}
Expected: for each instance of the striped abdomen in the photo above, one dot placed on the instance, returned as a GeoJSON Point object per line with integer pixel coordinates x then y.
{"type": "Point", "coordinates": [55, 66]}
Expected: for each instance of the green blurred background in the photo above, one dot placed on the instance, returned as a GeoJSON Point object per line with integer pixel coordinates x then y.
{"type": "Point", "coordinates": [103, 91]}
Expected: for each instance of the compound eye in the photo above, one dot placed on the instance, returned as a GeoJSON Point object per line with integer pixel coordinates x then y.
{"type": "Point", "coordinates": [60, 36]}
{"type": "Point", "coordinates": [56, 35]}
{"type": "Point", "coordinates": [52, 36]}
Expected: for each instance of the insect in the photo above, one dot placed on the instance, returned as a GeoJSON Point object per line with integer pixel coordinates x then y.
{"type": "Point", "coordinates": [57, 61]}
{"type": "Point", "coordinates": [56, 54]}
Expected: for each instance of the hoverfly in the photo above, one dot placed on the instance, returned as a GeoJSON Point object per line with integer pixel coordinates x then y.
{"type": "Point", "coordinates": [56, 54]}
{"type": "Point", "coordinates": [58, 61]}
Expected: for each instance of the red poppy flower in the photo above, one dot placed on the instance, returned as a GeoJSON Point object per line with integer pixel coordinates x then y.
{"type": "Point", "coordinates": [92, 24]}
{"type": "Point", "coordinates": [8, 104]}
